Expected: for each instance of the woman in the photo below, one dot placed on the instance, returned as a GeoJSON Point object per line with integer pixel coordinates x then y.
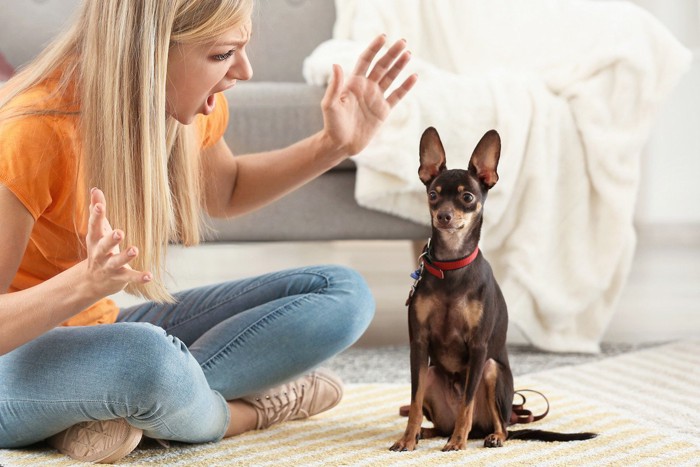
{"type": "Point", "coordinates": [128, 102]}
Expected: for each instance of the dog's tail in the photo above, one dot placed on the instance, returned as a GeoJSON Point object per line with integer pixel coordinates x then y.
{"type": "Point", "coordinates": [521, 415]}
{"type": "Point", "coordinates": [549, 436]}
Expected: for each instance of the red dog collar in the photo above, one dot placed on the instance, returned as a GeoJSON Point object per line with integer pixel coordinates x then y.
{"type": "Point", "coordinates": [438, 268]}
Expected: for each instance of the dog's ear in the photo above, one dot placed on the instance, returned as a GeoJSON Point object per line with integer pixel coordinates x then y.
{"type": "Point", "coordinates": [484, 160]}
{"type": "Point", "coordinates": [432, 156]}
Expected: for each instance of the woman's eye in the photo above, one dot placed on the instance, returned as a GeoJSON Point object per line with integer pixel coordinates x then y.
{"type": "Point", "coordinates": [468, 197]}
{"type": "Point", "coordinates": [223, 57]}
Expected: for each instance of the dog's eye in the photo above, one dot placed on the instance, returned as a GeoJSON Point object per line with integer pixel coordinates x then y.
{"type": "Point", "coordinates": [432, 196]}
{"type": "Point", "coordinates": [468, 197]}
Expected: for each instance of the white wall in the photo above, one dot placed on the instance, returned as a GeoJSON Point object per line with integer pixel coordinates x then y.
{"type": "Point", "coordinates": [670, 188]}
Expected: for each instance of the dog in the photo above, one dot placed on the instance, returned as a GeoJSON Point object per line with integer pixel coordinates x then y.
{"type": "Point", "coordinates": [457, 316]}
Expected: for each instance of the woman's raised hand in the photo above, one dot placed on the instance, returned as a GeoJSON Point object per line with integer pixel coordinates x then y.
{"type": "Point", "coordinates": [354, 110]}
{"type": "Point", "coordinates": [108, 267]}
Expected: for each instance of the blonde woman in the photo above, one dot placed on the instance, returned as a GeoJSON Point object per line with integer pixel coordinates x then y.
{"type": "Point", "coordinates": [110, 145]}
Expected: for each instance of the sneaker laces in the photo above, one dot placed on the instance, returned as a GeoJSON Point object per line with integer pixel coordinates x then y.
{"type": "Point", "coordinates": [282, 406]}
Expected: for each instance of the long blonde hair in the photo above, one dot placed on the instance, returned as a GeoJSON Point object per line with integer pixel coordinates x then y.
{"type": "Point", "coordinates": [146, 163]}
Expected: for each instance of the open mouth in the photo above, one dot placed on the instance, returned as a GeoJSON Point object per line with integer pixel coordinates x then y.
{"type": "Point", "coordinates": [209, 104]}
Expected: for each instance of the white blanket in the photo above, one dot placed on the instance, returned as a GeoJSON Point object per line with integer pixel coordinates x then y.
{"type": "Point", "coordinates": [572, 86]}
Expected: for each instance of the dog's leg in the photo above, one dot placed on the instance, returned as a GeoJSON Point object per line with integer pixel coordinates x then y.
{"type": "Point", "coordinates": [465, 414]}
{"type": "Point", "coordinates": [441, 404]}
{"type": "Point", "coordinates": [495, 379]}
{"type": "Point", "coordinates": [419, 376]}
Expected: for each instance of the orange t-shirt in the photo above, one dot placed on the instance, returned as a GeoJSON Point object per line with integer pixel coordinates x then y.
{"type": "Point", "coordinates": [39, 164]}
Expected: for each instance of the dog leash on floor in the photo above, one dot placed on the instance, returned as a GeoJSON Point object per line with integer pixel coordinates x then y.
{"type": "Point", "coordinates": [520, 415]}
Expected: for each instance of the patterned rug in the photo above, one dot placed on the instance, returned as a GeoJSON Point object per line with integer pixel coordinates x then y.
{"type": "Point", "coordinates": [645, 406]}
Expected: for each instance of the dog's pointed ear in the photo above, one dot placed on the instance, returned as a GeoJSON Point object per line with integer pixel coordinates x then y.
{"type": "Point", "coordinates": [484, 160]}
{"type": "Point", "coordinates": [432, 156]}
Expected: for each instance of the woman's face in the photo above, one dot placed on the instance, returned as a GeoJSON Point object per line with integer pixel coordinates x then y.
{"type": "Point", "coordinates": [197, 71]}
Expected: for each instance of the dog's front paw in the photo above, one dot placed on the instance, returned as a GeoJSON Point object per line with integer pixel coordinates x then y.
{"type": "Point", "coordinates": [494, 441]}
{"type": "Point", "coordinates": [456, 443]}
{"type": "Point", "coordinates": [406, 443]}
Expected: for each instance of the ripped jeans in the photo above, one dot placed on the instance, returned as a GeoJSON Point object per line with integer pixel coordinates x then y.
{"type": "Point", "coordinates": [170, 368]}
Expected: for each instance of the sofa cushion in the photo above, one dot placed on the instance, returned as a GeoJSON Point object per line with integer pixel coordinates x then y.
{"type": "Point", "coordinates": [285, 32]}
{"type": "Point", "coordinates": [27, 26]}
{"type": "Point", "coordinates": [323, 209]}
{"type": "Point", "coordinates": [268, 115]}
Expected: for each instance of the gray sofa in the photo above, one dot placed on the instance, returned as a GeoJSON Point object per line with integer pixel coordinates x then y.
{"type": "Point", "coordinates": [274, 109]}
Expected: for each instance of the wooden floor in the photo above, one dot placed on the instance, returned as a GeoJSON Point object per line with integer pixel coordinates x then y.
{"type": "Point", "coordinates": [661, 301]}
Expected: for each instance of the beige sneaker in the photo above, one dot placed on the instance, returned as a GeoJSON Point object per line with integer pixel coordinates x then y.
{"type": "Point", "coordinates": [302, 398]}
{"type": "Point", "coordinates": [101, 442]}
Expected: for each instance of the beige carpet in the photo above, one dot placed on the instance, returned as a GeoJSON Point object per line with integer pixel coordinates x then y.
{"type": "Point", "coordinates": [645, 406]}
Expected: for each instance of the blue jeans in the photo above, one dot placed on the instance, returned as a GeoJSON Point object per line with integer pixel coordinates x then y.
{"type": "Point", "coordinates": [170, 368]}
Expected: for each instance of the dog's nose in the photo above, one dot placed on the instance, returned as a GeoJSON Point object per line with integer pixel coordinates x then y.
{"type": "Point", "coordinates": [444, 217]}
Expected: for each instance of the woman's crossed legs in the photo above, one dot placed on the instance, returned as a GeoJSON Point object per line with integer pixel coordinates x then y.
{"type": "Point", "coordinates": [170, 368]}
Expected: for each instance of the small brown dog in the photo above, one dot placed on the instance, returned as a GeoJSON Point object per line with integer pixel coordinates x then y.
{"type": "Point", "coordinates": [457, 316]}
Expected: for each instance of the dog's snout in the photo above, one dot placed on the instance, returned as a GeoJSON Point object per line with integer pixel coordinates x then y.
{"type": "Point", "coordinates": [444, 217]}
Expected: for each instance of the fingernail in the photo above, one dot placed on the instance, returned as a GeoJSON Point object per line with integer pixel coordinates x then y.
{"type": "Point", "coordinates": [147, 278]}
{"type": "Point", "coordinates": [116, 236]}
{"type": "Point", "coordinates": [131, 252]}
{"type": "Point", "coordinates": [93, 189]}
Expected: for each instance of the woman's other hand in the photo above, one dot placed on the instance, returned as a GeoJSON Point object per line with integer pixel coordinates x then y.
{"type": "Point", "coordinates": [107, 266]}
{"type": "Point", "coordinates": [354, 110]}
